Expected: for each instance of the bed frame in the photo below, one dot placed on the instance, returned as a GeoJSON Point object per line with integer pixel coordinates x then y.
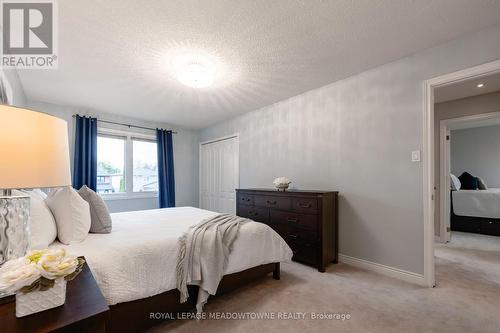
{"type": "Point", "coordinates": [134, 316]}
{"type": "Point", "coordinates": [477, 225]}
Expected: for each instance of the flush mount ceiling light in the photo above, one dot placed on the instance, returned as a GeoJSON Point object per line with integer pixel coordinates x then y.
{"type": "Point", "coordinates": [480, 85]}
{"type": "Point", "coordinates": [195, 70]}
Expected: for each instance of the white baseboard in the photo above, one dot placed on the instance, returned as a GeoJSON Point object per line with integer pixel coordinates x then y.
{"type": "Point", "coordinates": [383, 269]}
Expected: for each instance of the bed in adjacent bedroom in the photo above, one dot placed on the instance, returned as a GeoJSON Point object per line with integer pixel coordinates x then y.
{"type": "Point", "coordinates": [138, 258]}
{"type": "Point", "coordinates": [476, 211]}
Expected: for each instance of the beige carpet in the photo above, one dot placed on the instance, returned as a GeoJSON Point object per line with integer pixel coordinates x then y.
{"type": "Point", "coordinates": [466, 299]}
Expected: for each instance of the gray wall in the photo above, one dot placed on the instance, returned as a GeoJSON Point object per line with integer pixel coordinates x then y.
{"type": "Point", "coordinates": [185, 155]}
{"type": "Point", "coordinates": [356, 136]}
{"type": "Point", "coordinates": [477, 151]}
{"type": "Point", "coordinates": [454, 109]}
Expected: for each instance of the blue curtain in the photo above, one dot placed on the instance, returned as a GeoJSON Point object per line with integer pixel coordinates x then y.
{"type": "Point", "coordinates": [85, 159]}
{"type": "Point", "coordinates": [166, 183]}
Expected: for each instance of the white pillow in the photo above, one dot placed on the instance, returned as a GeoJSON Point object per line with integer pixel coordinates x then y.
{"type": "Point", "coordinates": [72, 214]}
{"type": "Point", "coordinates": [43, 229]}
{"type": "Point", "coordinates": [41, 193]}
{"type": "Point", "coordinates": [455, 182]}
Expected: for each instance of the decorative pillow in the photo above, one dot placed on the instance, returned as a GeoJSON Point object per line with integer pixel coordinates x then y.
{"type": "Point", "coordinates": [468, 181]}
{"type": "Point", "coordinates": [72, 214]}
{"type": "Point", "coordinates": [43, 229]}
{"type": "Point", "coordinates": [41, 193]}
{"type": "Point", "coordinates": [455, 182]}
{"type": "Point", "coordinates": [481, 185]}
{"type": "Point", "coordinates": [99, 215]}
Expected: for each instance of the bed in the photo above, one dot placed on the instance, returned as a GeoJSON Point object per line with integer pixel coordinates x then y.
{"type": "Point", "coordinates": [135, 264]}
{"type": "Point", "coordinates": [476, 211]}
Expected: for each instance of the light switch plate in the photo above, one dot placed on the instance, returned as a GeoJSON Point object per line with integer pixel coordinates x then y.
{"type": "Point", "coordinates": [415, 156]}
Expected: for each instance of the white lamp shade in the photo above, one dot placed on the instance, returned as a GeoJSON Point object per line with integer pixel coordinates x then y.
{"type": "Point", "coordinates": [34, 149]}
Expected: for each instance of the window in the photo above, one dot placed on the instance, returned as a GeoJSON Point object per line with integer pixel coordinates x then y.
{"type": "Point", "coordinates": [110, 164]}
{"type": "Point", "coordinates": [127, 164]}
{"type": "Point", "coordinates": [145, 173]}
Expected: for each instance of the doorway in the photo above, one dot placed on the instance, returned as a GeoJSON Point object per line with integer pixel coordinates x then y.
{"type": "Point", "coordinates": [219, 174]}
{"type": "Point", "coordinates": [475, 163]}
{"type": "Point", "coordinates": [431, 194]}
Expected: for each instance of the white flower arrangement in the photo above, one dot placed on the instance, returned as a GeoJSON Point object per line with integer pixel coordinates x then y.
{"type": "Point", "coordinates": [38, 270]}
{"type": "Point", "coordinates": [282, 183]}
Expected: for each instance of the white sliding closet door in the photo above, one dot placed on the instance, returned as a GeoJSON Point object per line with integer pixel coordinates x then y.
{"type": "Point", "coordinates": [219, 174]}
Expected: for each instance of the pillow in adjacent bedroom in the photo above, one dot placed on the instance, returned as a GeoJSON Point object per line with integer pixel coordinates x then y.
{"type": "Point", "coordinates": [481, 185]}
{"type": "Point", "coordinates": [43, 229]}
{"type": "Point", "coordinates": [100, 220]}
{"type": "Point", "coordinates": [72, 214]}
{"type": "Point", "coordinates": [455, 182]}
{"type": "Point", "coordinates": [468, 181]}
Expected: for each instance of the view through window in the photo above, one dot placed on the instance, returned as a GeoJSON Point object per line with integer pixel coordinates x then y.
{"type": "Point", "coordinates": [110, 165]}
{"type": "Point", "coordinates": [145, 163]}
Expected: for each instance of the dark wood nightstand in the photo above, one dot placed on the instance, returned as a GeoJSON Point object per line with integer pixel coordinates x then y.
{"type": "Point", "coordinates": [85, 310]}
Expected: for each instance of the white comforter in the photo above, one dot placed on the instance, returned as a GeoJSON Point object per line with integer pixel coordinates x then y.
{"type": "Point", "coordinates": [477, 203]}
{"type": "Point", "coordinates": [138, 258]}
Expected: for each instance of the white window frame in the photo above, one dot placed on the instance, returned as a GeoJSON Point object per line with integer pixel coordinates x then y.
{"type": "Point", "coordinates": [129, 136]}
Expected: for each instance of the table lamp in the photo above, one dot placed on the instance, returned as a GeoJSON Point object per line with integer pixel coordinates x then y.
{"type": "Point", "coordinates": [33, 154]}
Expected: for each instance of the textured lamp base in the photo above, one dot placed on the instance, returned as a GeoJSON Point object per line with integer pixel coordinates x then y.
{"type": "Point", "coordinates": [36, 301]}
{"type": "Point", "coordinates": [14, 228]}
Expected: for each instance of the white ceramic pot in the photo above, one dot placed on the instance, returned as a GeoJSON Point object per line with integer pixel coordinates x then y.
{"type": "Point", "coordinates": [36, 301]}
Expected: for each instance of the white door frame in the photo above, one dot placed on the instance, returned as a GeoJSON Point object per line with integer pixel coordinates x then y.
{"type": "Point", "coordinates": [203, 143]}
{"type": "Point", "coordinates": [444, 166]}
{"type": "Point", "coordinates": [428, 155]}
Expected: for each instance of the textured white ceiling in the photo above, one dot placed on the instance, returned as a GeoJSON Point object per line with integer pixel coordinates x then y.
{"type": "Point", "coordinates": [468, 88]}
{"type": "Point", "coordinates": [110, 52]}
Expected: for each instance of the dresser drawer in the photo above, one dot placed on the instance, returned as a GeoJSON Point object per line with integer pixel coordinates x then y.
{"type": "Point", "coordinates": [305, 252]}
{"type": "Point", "coordinates": [273, 201]}
{"type": "Point", "coordinates": [281, 229]}
{"type": "Point", "coordinates": [305, 205]}
{"type": "Point", "coordinates": [307, 221]}
{"type": "Point", "coordinates": [254, 213]}
{"type": "Point", "coordinates": [246, 199]}
{"type": "Point", "coordinates": [302, 235]}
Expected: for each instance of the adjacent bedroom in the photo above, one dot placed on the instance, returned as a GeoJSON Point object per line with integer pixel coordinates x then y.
{"type": "Point", "coordinates": [249, 166]}
{"type": "Point", "coordinates": [467, 226]}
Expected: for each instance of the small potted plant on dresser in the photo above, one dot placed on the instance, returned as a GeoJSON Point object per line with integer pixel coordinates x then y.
{"type": "Point", "coordinates": [39, 279]}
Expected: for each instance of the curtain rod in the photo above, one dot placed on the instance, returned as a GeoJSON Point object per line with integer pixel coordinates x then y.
{"type": "Point", "coordinates": [123, 124]}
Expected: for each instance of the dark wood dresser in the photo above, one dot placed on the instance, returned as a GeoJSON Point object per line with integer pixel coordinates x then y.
{"type": "Point", "coordinates": [307, 220]}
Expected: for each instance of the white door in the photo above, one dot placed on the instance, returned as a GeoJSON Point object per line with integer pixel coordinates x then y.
{"type": "Point", "coordinates": [219, 174]}
{"type": "Point", "coordinates": [447, 231]}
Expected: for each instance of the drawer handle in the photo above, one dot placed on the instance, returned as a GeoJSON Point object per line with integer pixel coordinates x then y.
{"type": "Point", "coordinates": [292, 220]}
{"type": "Point", "coordinates": [490, 222]}
{"type": "Point", "coordinates": [301, 205]}
{"type": "Point", "coordinates": [295, 251]}
{"type": "Point", "coordinates": [293, 236]}
{"type": "Point", "coordinates": [245, 199]}
{"type": "Point", "coordinates": [271, 202]}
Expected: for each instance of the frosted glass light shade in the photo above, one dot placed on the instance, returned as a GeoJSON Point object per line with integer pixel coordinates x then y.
{"type": "Point", "coordinates": [34, 149]}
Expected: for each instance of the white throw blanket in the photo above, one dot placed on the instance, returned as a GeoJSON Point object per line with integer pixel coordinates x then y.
{"type": "Point", "coordinates": [203, 255]}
